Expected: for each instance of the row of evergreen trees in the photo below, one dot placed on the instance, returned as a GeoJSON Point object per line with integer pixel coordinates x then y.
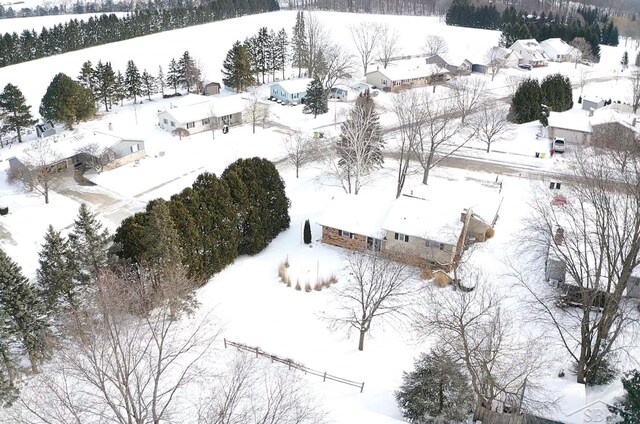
{"type": "Point", "coordinates": [216, 219]}
{"type": "Point", "coordinates": [534, 100]}
{"type": "Point", "coordinates": [107, 6]}
{"type": "Point", "coordinates": [75, 35]}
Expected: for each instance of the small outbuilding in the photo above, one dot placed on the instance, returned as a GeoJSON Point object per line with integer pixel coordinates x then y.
{"type": "Point", "coordinates": [211, 89]}
{"type": "Point", "coordinates": [592, 102]}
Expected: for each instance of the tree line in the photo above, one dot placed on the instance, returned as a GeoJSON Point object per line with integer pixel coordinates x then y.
{"type": "Point", "coordinates": [76, 35]}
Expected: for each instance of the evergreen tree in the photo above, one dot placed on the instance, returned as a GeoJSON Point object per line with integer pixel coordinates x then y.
{"type": "Point", "coordinates": [557, 93]}
{"type": "Point", "coordinates": [23, 312]}
{"type": "Point", "coordinates": [253, 50]}
{"type": "Point", "coordinates": [526, 102]}
{"type": "Point", "coordinates": [56, 287]}
{"type": "Point", "coordinates": [67, 101]}
{"type": "Point", "coordinates": [299, 44]}
{"type": "Point", "coordinates": [86, 74]}
{"type": "Point", "coordinates": [129, 238]}
{"type": "Point", "coordinates": [89, 244]}
{"type": "Point", "coordinates": [8, 363]}
{"type": "Point", "coordinates": [637, 62]}
{"type": "Point", "coordinates": [306, 233]}
{"type": "Point", "coordinates": [236, 70]}
{"type": "Point", "coordinates": [119, 89]}
{"type": "Point", "coordinates": [614, 37]}
{"type": "Point", "coordinates": [132, 81]}
{"type": "Point", "coordinates": [437, 390]}
{"type": "Point", "coordinates": [629, 407]}
{"type": "Point", "coordinates": [15, 111]}
{"type": "Point", "coordinates": [188, 72]}
{"type": "Point", "coordinates": [264, 52]}
{"type": "Point", "coordinates": [160, 80]}
{"type": "Point", "coordinates": [625, 59]}
{"type": "Point", "coordinates": [148, 84]}
{"type": "Point", "coordinates": [316, 99]}
{"type": "Point", "coordinates": [103, 82]}
{"type": "Point", "coordinates": [281, 53]}
{"type": "Point", "coordinates": [173, 76]}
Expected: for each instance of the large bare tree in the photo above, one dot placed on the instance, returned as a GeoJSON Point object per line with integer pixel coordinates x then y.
{"type": "Point", "coordinates": [256, 110]}
{"type": "Point", "coordinates": [467, 94]}
{"type": "Point", "coordinates": [332, 64]}
{"type": "Point", "coordinates": [96, 156]}
{"type": "Point", "coordinates": [43, 169]}
{"type": "Point", "coordinates": [496, 60]}
{"type": "Point", "coordinates": [365, 37]}
{"type": "Point", "coordinates": [376, 289]}
{"type": "Point", "coordinates": [595, 233]}
{"type": "Point", "coordinates": [582, 51]}
{"type": "Point", "coordinates": [489, 123]}
{"type": "Point", "coordinates": [435, 45]}
{"type": "Point", "coordinates": [634, 81]}
{"type": "Point", "coordinates": [300, 149]}
{"type": "Point", "coordinates": [388, 44]}
{"type": "Point", "coordinates": [407, 106]}
{"type": "Point", "coordinates": [317, 40]}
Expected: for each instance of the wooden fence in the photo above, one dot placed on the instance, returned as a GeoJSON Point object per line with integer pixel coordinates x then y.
{"type": "Point", "coordinates": [294, 365]}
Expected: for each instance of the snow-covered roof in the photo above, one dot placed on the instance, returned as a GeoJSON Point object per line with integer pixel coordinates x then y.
{"type": "Point", "coordinates": [557, 46]}
{"type": "Point", "coordinates": [608, 115]}
{"type": "Point", "coordinates": [362, 214]}
{"type": "Point", "coordinates": [592, 99]}
{"type": "Point", "coordinates": [422, 70]}
{"type": "Point", "coordinates": [194, 107]}
{"type": "Point", "coordinates": [531, 47]}
{"type": "Point", "coordinates": [292, 86]}
{"type": "Point", "coordinates": [454, 58]}
{"type": "Point", "coordinates": [570, 120]}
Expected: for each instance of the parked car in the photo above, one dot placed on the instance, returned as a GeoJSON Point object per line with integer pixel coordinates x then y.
{"type": "Point", "coordinates": [525, 66]}
{"type": "Point", "coordinates": [558, 145]}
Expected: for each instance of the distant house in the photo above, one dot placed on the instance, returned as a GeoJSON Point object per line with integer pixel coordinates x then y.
{"type": "Point", "coordinates": [291, 91]}
{"type": "Point", "coordinates": [339, 92]}
{"type": "Point", "coordinates": [592, 102]}
{"type": "Point", "coordinates": [558, 50]}
{"type": "Point", "coordinates": [45, 129]}
{"type": "Point", "coordinates": [195, 113]}
{"type": "Point", "coordinates": [454, 64]}
{"type": "Point", "coordinates": [574, 128]}
{"type": "Point", "coordinates": [409, 229]}
{"type": "Point", "coordinates": [398, 77]}
{"type": "Point", "coordinates": [82, 149]}
{"type": "Point", "coordinates": [361, 87]}
{"type": "Point", "coordinates": [505, 58]}
{"type": "Point", "coordinates": [531, 53]}
{"type": "Point", "coordinates": [211, 88]}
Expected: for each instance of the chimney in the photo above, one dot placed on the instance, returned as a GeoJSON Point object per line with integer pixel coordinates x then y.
{"type": "Point", "coordinates": [558, 237]}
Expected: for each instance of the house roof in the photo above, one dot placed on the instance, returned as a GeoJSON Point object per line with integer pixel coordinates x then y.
{"type": "Point", "coordinates": [453, 58]}
{"type": "Point", "coordinates": [556, 46]}
{"type": "Point", "coordinates": [532, 47]}
{"type": "Point", "coordinates": [194, 107]}
{"type": "Point", "coordinates": [298, 85]}
{"type": "Point", "coordinates": [592, 99]}
{"type": "Point", "coordinates": [399, 72]}
{"type": "Point", "coordinates": [570, 121]}
{"type": "Point", "coordinates": [607, 115]}
{"type": "Point", "coordinates": [362, 214]}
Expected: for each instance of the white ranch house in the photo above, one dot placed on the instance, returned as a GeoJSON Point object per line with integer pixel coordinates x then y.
{"type": "Point", "coordinates": [558, 50]}
{"type": "Point", "coordinates": [290, 91]}
{"type": "Point", "coordinates": [398, 77]}
{"type": "Point", "coordinates": [531, 52]}
{"type": "Point", "coordinates": [196, 113]}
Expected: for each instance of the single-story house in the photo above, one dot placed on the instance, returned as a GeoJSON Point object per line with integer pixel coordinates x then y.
{"type": "Point", "coordinates": [291, 91]}
{"type": "Point", "coordinates": [455, 65]}
{"type": "Point", "coordinates": [398, 77]}
{"type": "Point", "coordinates": [558, 50]}
{"type": "Point", "coordinates": [592, 102]}
{"type": "Point", "coordinates": [409, 229]}
{"type": "Point", "coordinates": [195, 113]}
{"type": "Point", "coordinates": [361, 87]}
{"type": "Point", "coordinates": [339, 92]}
{"type": "Point", "coordinates": [211, 88]}
{"type": "Point", "coordinates": [84, 149]}
{"type": "Point", "coordinates": [573, 127]}
{"type": "Point", "coordinates": [45, 129]}
{"type": "Point", "coordinates": [613, 129]}
{"type": "Point", "coordinates": [531, 53]}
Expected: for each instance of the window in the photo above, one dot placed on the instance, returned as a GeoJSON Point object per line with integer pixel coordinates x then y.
{"type": "Point", "coordinates": [191, 125]}
{"type": "Point", "coordinates": [345, 234]}
{"type": "Point", "coordinates": [441, 247]}
{"type": "Point", "coordinates": [226, 119]}
{"type": "Point", "coordinates": [373, 244]}
{"type": "Point", "coordinates": [206, 121]}
{"type": "Point", "coordinates": [165, 121]}
{"type": "Point", "coordinates": [135, 148]}
{"type": "Point", "coordinates": [384, 82]}
{"type": "Point", "coordinates": [554, 185]}
{"type": "Point", "coordinates": [173, 124]}
{"type": "Point", "coordinates": [402, 237]}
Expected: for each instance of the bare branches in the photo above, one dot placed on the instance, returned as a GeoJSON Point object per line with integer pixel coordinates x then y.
{"type": "Point", "coordinates": [256, 110]}
{"type": "Point", "coordinates": [377, 288]}
{"type": "Point", "coordinates": [333, 63]}
{"type": "Point", "coordinates": [300, 150]}
{"type": "Point", "coordinates": [635, 90]}
{"type": "Point", "coordinates": [435, 45]}
{"type": "Point", "coordinates": [408, 110]}
{"type": "Point", "coordinates": [96, 156]}
{"type": "Point", "coordinates": [496, 60]}
{"type": "Point", "coordinates": [365, 36]}
{"type": "Point", "coordinates": [490, 122]}
{"type": "Point", "coordinates": [467, 94]}
{"type": "Point", "coordinates": [389, 44]}
{"type": "Point", "coordinates": [317, 40]}
{"type": "Point", "coordinates": [582, 52]}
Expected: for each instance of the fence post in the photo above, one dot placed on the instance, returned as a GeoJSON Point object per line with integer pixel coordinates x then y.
{"type": "Point", "coordinates": [362, 387]}
{"type": "Point", "coordinates": [225, 343]}
{"type": "Point", "coordinates": [324, 378]}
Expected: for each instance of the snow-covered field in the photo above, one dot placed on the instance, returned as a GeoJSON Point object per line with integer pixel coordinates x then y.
{"type": "Point", "coordinates": [247, 297]}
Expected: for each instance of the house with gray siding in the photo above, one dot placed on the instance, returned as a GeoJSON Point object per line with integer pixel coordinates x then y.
{"type": "Point", "coordinates": [291, 91]}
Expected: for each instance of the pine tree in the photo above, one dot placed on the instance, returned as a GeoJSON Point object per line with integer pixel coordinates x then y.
{"type": "Point", "coordinates": [625, 59]}
{"type": "Point", "coordinates": [67, 101]}
{"type": "Point", "coordinates": [173, 76]}
{"type": "Point", "coordinates": [89, 244]}
{"type": "Point", "coordinates": [629, 407]}
{"type": "Point", "coordinates": [56, 287]}
{"type": "Point", "coordinates": [437, 390]}
{"type": "Point", "coordinates": [119, 88]}
{"type": "Point", "coordinates": [85, 76]}
{"type": "Point", "coordinates": [316, 99]}
{"type": "Point", "coordinates": [306, 233]}
{"type": "Point", "coordinates": [8, 364]}
{"type": "Point", "coordinates": [236, 71]}
{"type": "Point", "coordinates": [103, 82]}
{"type": "Point", "coordinates": [526, 102]}
{"type": "Point", "coordinates": [299, 44]}
{"type": "Point", "coordinates": [160, 80]}
{"type": "Point", "coordinates": [161, 239]}
{"type": "Point", "coordinates": [129, 238]}
{"type": "Point", "coordinates": [148, 84]}
{"type": "Point", "coordinates": [264, 52]}
{"type": "Point", "coordinates": [23, 311]}
{"type": "Point", "coordinates": [132, 81]}
{"type": "Point", "coordinates": [253, 50]}
{"type": "Point", "coordinates": [189, 74]}
{"type": "Point", "coordinates": [15, 111]}
{"type": "Point", "coordinates": [557, 93]}
{"type": "Point", "coordinates": [281, 51]}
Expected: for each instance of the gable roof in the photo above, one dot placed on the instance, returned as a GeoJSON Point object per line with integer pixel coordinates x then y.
{"type": "Point", "coordinates": [362, 214]}
{"type": "Point", "coordinates": [557, 46]}
{"type": "Point", "coordinates": [298, 85]}
{"type": "Point", "coordinates": [531, 47]}
{"type": "Point", "coordinates": [194, 107]}
{"type": "Point", "coordinates": [608, 115]}
{"type": "Point", "coordinates": [422, 70]}
{"type": "Point", "coordinates": [570, 120]}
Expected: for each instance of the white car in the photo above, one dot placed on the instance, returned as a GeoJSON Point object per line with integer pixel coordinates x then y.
{"type": "Point", "coordinates": [558, 145]}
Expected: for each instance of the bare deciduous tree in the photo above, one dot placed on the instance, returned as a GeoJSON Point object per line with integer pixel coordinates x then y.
{"type": "Point", "coordinates": [496, 61]}
{"type": "Point", "coordinates": [477, 328]}
{"type": "Point", "coordinates": [256, 110]}
{"type": "Point", "coordinates": [619, 141]}
{"type": "Point", "coordinates": [596, 235]}
{"type": "Point", "coordinates": [408, 110]}
{"type": "Point", "coordinates": [490, 122]}
{"type": "Point", "coordinates": [583, 77]}
{"type": "Point", "coordinates": [300, 149]}
{"type": "Point", "coordinates": [635, 90]}
{"type": "Point", "coordinates": [253, 391]}
{"type": "Point", "coordinates": [377, 289]}
{"type": "Point", "coordinates": [317, 40]}
{"type": "Point", "coordinates": [582, 52]}
{"type": "Point", "coordinates": [513, 82]}
{"type": "Point", "coordinates": [388, 44]}
{"type": "Point", "coordinates": [333, 64]}
{"type": "Point", "coordinates": [43, 169]}
{"type": "Point", "coordinates": [435, 45]}
{"type": "Point", "coordinates": [466, 94]}
{"type": "Point", "coordinates": [365, 36]}
{"type": "Point", "coordinates": [96, 156]}
{"type": "Point", "coordinates": [213, 122]}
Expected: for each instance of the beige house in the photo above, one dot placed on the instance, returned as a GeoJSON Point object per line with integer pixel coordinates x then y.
{"type": "Point", "coordinates": [575, 128]}
{"type": "Point", "coordinates": [399, 77]}
{"type": "Point", "coordinates": [195, 113]}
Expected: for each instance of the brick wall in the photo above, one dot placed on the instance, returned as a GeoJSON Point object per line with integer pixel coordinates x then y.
{"type": "Point", "coordinates": [331, 236]}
